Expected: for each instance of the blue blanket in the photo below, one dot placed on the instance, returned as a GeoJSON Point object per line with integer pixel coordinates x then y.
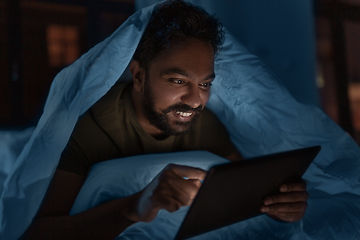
{"type": "Point", "coordinates": [261, 116]}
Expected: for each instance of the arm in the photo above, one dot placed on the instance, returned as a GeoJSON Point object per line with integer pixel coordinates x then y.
{"type": "Point", "coordinates": [169, 190]}
{"type": "Point", "coordinates": [105, 221]}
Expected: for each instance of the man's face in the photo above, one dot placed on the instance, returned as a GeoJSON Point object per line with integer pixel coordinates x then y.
{"type": "Point", "coordinates": [177, 86]}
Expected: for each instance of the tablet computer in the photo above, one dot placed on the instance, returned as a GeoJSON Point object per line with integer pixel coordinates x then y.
{"type": "Point", "coordinates": [235, 191]}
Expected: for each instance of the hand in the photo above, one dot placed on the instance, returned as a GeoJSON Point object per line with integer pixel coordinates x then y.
{"type": "Point", "coordinates": [168, 190]}
{"type": "Point", "coordinates": [289, 205]}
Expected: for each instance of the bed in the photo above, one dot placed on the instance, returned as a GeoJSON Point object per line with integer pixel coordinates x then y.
{"type": "Point", "coordinates": [259, 113]}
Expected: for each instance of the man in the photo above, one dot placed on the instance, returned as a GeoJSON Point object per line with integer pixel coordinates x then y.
{"type": "Point", "coordinates": [161, 110]}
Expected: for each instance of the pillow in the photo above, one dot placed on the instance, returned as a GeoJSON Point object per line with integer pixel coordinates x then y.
{"type": "Point", "coordinates": [125, 176]}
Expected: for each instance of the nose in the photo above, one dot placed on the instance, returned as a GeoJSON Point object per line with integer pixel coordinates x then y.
{"type": "Point", "coordinates": [192, 96]}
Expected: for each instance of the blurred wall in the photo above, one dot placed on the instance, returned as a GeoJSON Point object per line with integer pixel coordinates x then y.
{"type": "Point", "coordinates": [38, 38]}
{"type": "Point", "coordinates": [280, 32]}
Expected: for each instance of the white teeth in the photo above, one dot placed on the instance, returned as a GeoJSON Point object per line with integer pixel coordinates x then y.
{"type": "Point", "coordinates": [183, 114]}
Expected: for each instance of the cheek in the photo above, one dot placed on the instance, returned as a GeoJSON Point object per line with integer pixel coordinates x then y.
{"type": "Point", "coordinates": [204, 96]}
{"type": "Point", "coordinates": [164, 97]}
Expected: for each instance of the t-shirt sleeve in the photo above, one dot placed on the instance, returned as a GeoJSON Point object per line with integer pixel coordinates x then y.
{"type": "Point", "coordinates": [88, 144]}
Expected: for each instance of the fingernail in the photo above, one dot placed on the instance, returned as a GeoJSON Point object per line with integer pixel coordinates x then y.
{"type": "Point", "coordinates": [283, 188]}
{"type": "Point", "coordinates": [268, 201]}
{"type": "Point", "coordinates": [264, 209]}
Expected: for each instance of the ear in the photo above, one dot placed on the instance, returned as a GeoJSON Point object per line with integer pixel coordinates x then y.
{"type": "Point", "coordinates": [138, 75]}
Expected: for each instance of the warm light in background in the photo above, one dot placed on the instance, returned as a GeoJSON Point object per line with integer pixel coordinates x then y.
{"type": "Point", "coordinates": [352, 33]}
{"type": "Point", "coordinates": [327, 78]}
{"type": "Point", "coordinates": [62, 45]}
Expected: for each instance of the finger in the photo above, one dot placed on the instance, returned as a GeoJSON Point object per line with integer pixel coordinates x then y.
{"type": "Point", "coordinates": [293, 187]}
{"type": "Point", "coordinates": [284, 208]}
{"type": "Point", "coordinates": [188, 172]}
{"type": "Point", "coordinates": [184, 197]}
{"type": "Point", "coordinates": [175, 186]}
{"type": "Point", "coordinates": [166, 202]}
{"type": "Point", "coordinates": [287, 198]}
{"type": "Point", "coordinates": [189, 187]}
{"type": "Point", "coordinates": [185, 184]}
{"type": "Point", "coordinates": [194, 191]}
{"type": "Point", "coordinates": [186, 190]}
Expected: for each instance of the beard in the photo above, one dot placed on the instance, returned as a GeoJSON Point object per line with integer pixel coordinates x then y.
{"type": "Point", "coordinates": [162, 121]}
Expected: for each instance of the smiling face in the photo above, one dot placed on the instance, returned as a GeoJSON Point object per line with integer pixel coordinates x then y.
{"type": "Point", "coordinates": [175, 87]}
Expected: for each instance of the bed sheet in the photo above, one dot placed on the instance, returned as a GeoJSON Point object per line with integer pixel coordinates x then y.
{"type": "Point", "coordinates": [261, 116]}
{"type": "Point", "coordinates": [327, 217]}
{"type": "Point", "coordinates": [11, 144]}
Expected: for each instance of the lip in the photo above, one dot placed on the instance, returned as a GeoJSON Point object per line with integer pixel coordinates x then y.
{"type": "Point", "coordinates": [183, 118]}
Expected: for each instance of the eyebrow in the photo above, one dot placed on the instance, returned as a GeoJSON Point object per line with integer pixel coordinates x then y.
{"type": "Point", "coordinates": [183, 73]}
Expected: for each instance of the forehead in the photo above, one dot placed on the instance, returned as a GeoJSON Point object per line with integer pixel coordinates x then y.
{"type": "Point", "coordinates": [191, 55]}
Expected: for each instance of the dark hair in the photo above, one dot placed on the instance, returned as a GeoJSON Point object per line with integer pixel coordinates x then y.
{"type": "Point", "coordinates": [176, 20]}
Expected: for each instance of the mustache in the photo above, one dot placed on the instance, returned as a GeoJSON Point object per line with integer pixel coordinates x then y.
{"type": "Point", "coordinates": [181, 107]}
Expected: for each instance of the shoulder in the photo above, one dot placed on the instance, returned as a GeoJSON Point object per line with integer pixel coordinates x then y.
{"type": "Point", "coordinates": [92, 138]}
{"type": "Point", "coordinates": [96, 127]}
{"type": "Point", "coordinates": [109, 103]}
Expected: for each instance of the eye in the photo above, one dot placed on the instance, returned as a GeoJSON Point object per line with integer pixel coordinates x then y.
{"type": "Point", "coordinates": [205, 85]}
{"type": "Point", "coordinates": [178, 81]}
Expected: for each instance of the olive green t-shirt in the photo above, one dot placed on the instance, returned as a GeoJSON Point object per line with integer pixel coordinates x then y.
{"type": "Point", "coordinates": [110, 129]}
